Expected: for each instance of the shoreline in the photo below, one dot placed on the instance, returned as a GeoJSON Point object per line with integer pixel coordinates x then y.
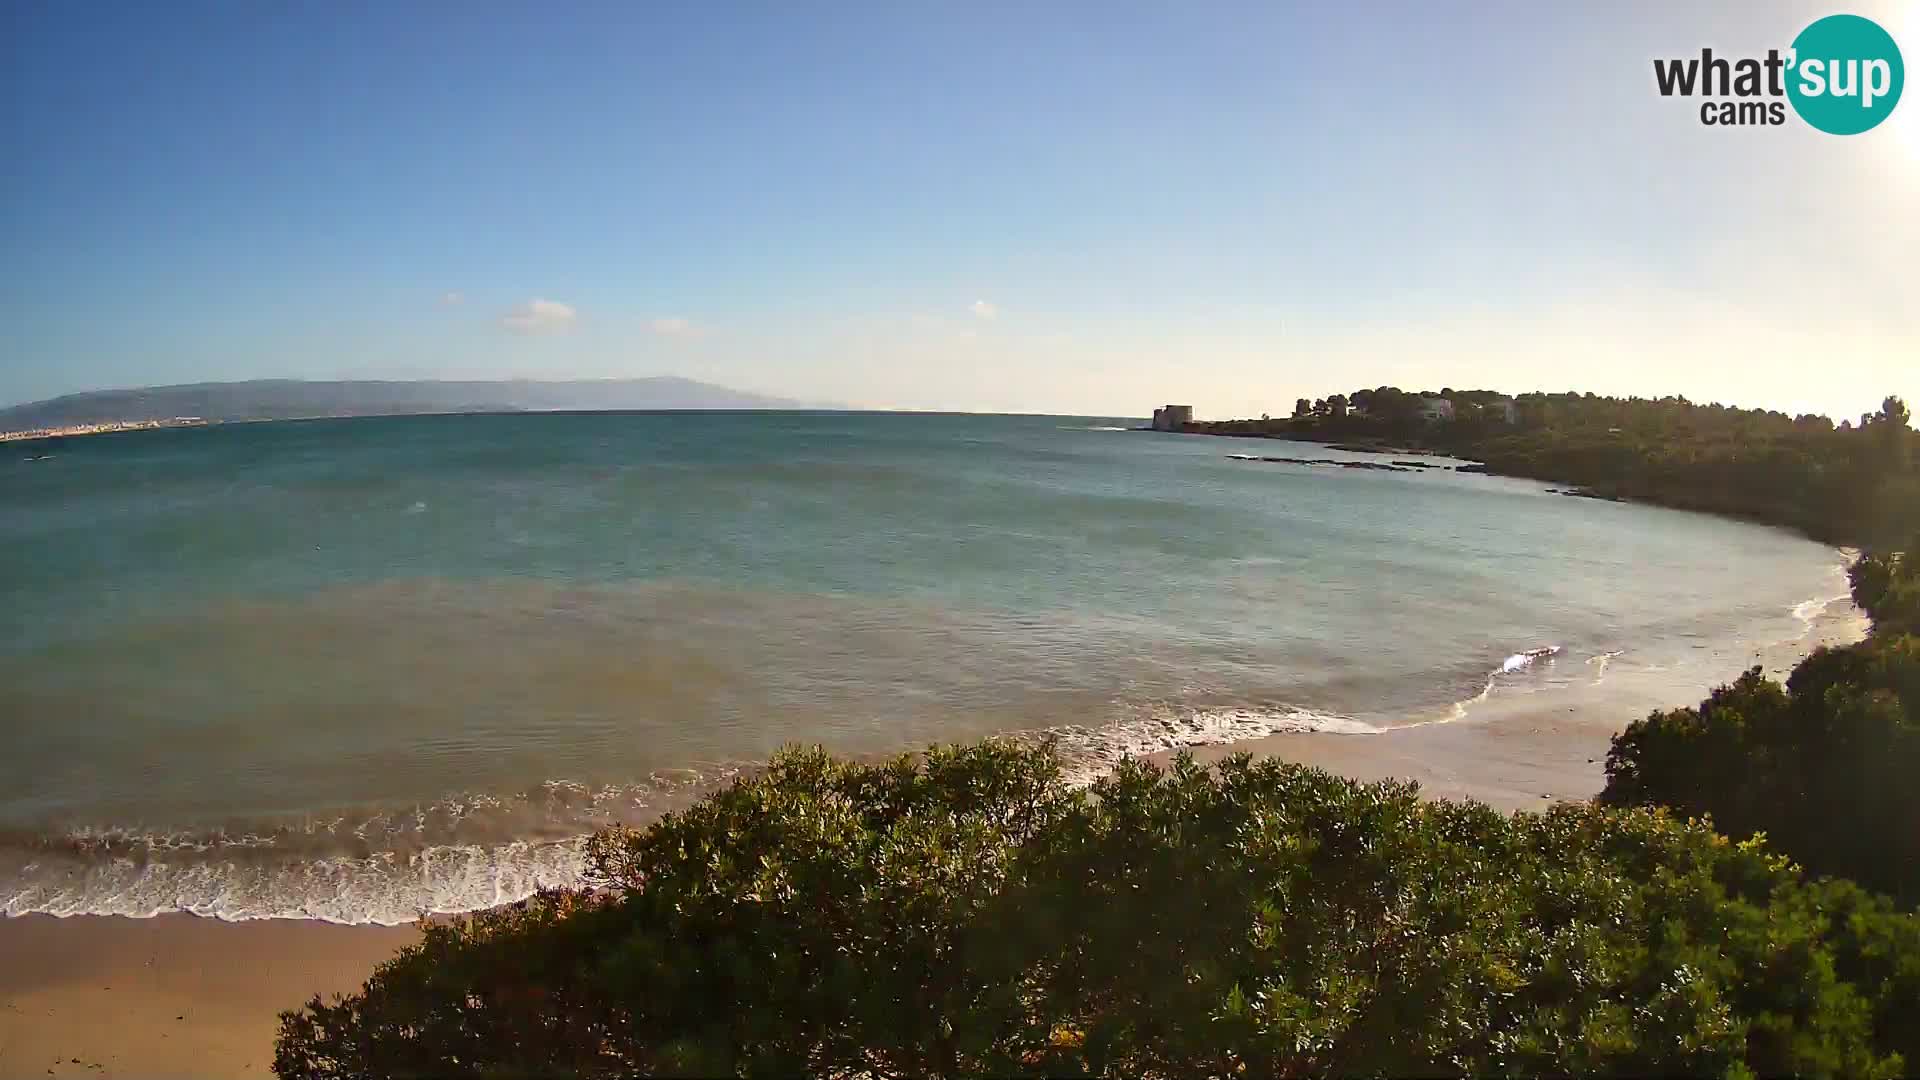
{"type": "Point", "coordinates": [179, 995]}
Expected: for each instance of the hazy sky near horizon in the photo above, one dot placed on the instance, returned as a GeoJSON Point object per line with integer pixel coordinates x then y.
{"type": "Point", "coordinates": [1075, 207]}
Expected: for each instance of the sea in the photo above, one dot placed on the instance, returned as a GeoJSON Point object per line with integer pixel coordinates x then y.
{"type": "Point", "coordinates": [365, 669]}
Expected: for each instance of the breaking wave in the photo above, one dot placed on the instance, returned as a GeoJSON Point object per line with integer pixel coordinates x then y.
{"type": "Point", "coordinates": [1523, 660]}
{"type": "Point", "coordinates": [1808, 612]}
{"type": "Point", "coordinates": [471, 852]}
{"type": "Point", "coordinates": [382, 887]}
{"type": "Point", "coordinates": [388, 867]}
{"type": "Point", "coordinates": [1088, 753]}
{"type": "Point", "coordinates": [478, 850]}
{"type": "Point", "coordinates": [1518, 662]}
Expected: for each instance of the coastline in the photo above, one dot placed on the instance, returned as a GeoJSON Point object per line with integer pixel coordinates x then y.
{"type": "Point", "coordinates": [179, 995]}
{"type": "Point", "coordinates": [104, 427]}
{"type": "Point", "coordinates": [1698, 499]}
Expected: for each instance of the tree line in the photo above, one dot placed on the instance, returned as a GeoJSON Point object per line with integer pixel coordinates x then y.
{"type": "Point", "coordinates": [1852, 483]}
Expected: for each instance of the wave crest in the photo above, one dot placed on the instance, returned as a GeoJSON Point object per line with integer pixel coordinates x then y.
{"type": "Point", "coordinates": [472, 851]}
{"type": "Point", "coordinates": [1088, 753]}
{"type": "Point", "coordinates": [1514, 664]}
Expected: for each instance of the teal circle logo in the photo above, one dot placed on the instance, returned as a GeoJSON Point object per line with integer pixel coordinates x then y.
{"type": "Point", "coordinates": [1846, 74]}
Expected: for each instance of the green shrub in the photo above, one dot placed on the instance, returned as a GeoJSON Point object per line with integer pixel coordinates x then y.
{"type": "Point", "coordinates": [1887, 587]}
{"type": "Point", "coordinates": [968, 913]}
{"type": "Point", "coordinates": [1824, 766]}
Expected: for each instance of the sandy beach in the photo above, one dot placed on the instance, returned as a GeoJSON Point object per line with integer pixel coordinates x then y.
{"type": "Point", "coordinates": [171, 996]}
{"type": "Point", "coordinates": [181, 996]}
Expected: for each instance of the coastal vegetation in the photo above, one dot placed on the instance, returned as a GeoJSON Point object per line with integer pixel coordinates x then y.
{"type": "Point", "coordinates": [1823, 766]}
{"type": "Point", "coordinates": [969, 912]}
{"type": "Point", "coordinates": [1846, 483]}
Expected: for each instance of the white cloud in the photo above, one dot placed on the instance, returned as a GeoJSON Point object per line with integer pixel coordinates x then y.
{"type": "Point", "coordinates": [984, 310]}
{"type": "Point", "coordinates": [452, 298]}
{"type": "Point", "coordinates": [539, 316]}
{"type": "Point", "coordinates": [673, 326]}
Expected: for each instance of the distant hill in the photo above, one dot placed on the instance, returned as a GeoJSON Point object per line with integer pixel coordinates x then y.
{"type": "Point", "coordinates": [284, 399]}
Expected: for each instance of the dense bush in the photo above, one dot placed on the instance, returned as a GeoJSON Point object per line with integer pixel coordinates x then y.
{"type": "Point", "coordinates": [968, 913]}
{"type": "Point", "coordinates": [1886, 585]}
{"type": "Point", "coordinates": [1825, 766]}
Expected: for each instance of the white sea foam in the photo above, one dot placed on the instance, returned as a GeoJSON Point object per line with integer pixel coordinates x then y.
{"type": "Point", "coordinates": [479, 850]}
{"type": "Point", "coordinates": [382, 887]}
{"type": "Point", "coordinates": [1514, 664]}
{"type": "Point", "coordinates": [1599, 664]}
{"type": "Point", "coordinates": [1088, 753]}
{"type": "Point", "coordinates": [392, 876]}
{"type": "Point", "coordinates": [1522, 660]}
{"type": "Point", "coordinates": [459, 854]}
{"type": "Point", "coordinates": [1810, 611]}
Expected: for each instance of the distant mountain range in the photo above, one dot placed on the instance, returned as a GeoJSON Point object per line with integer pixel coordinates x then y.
{"type": "Point", "coordinates": [286, 399]}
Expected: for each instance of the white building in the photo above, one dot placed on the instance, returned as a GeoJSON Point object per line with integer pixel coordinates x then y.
{"type": "Point", "coordinates": [1436, 408]}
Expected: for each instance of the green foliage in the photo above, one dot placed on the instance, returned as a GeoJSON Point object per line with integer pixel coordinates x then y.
{"type": "Point", "coordinates": [1887, 587]}
{"type": "Point", "coordinates": [968, 913]}
{"type": "Point", "coordinates": [1845, 484]}
{"type": "Point", "coordinates": [1824, 766]}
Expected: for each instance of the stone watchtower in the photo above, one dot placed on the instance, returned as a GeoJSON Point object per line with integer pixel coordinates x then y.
{"type": "Point", "coordinates": [1172, 417]}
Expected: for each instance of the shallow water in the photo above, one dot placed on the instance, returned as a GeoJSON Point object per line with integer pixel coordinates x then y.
{"type": "Point", "coordinates": [356, 669]}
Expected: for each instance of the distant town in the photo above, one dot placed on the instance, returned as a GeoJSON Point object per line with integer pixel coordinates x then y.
{"type": "Point", "coordinates": [99, 428]}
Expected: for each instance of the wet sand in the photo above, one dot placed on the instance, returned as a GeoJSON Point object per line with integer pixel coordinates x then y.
{"type": "Point", "coordinates": [180, 996]}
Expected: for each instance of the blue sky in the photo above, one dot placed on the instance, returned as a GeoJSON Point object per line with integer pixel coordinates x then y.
{"type": "Point", "coordinates": [1059, 207]}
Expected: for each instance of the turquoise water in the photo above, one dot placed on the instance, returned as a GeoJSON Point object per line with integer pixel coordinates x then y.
{"type": "Point", "coordinates": [358, 668]}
